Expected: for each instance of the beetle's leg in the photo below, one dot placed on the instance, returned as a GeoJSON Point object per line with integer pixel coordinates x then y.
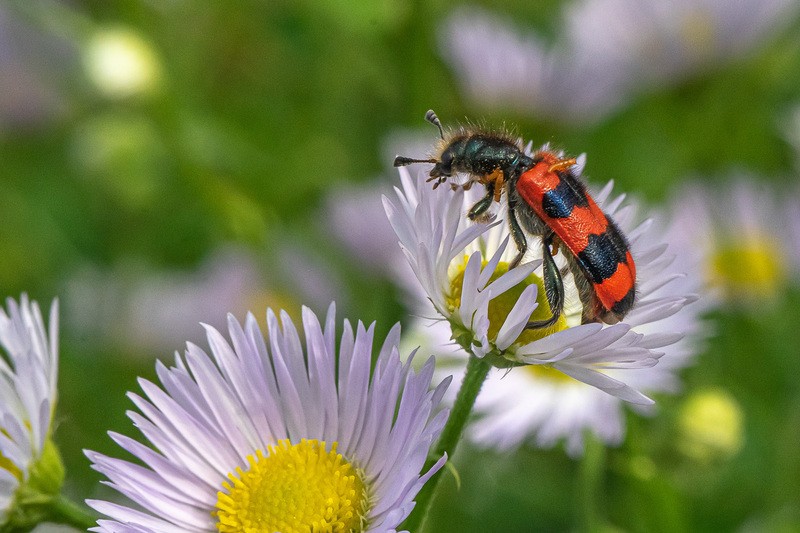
{"type": "Point", "coordinates": [439, 180]}
{"type": "Point", "coordinates": [483, 204]}
{"type": "Point", "coordinates": [499, 182]}
{"type": "Point", "coordinates": [517, 234]}
{"type": "Point", "coordinates": [553, 286]}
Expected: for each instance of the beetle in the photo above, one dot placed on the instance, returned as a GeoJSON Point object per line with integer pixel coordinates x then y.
{"type": "Point", "coordinates": [545, 198]}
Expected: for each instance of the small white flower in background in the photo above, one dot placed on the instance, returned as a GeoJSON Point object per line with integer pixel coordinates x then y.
{"type": "Point", "coordinates": [604, 51]}
{"type": "Point", "coordinates": [277, 437]}
{"type": "Point", "coordinates": [463, 268]}
{"type": "Point", "coordinates": [29, 464]}
{"type": "Point", "coordinates": [711, 426]}
{"type": "Point", "coordinates": [121, 63]}
{"type": "Point", "coordinates": [355, 217]}
{"type": "Point", "coordinates": [142, 310]}
{"type": "Point", "coordinates": [36, 65]}
{"type": "Point", "coordinates": [731, 232]}
{"type": "Point", "coordinates": [656, 42]}
{"type": "Point", "coordinates": [501, 67]}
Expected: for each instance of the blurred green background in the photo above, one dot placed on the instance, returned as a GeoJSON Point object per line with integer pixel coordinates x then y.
{"type": "Point", "coordinates": [197, 179]}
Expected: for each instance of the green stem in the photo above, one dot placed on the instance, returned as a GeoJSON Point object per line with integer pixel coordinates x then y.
{"type": "Point", "coordinates": [67, 512]}
{"type": "Point", "coordinates": [477, 370]}
{"type": "Point", "coordinates": [591, 479]}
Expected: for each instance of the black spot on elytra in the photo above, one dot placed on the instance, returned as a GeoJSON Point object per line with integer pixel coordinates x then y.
{"type": "Point", "coordinates": [602, 255]}
{"type": "Point", "coordinates": [560, 202]}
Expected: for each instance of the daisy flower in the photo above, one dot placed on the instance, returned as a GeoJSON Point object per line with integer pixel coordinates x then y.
{"type": "Point", "coordinates": [146, 311]}
{"type": "Point", "coordinates": [121, 63]}
{"type": "Point", "coordinates": [464, 270]}
{"type": "Point", "coordinates": [538, 405]}
{"type": "Point", "coordinates": [30, 467]}
{"type": "Point", "coordinates": [266, 435]}
{"type": "Point", "coordinates": [501, 67]}
{"type": "Point", "coordinates": [731, 232]}
{"type": "Point", "coordinates": [605, 52]}
{"type": "Point", "coordinates": [656, 42]}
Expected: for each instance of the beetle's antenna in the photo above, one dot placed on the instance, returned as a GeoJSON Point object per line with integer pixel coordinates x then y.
{"type": "Point", "coordinates": [431, 117]}
{"type": "Point", "coordinates": [401, 161]}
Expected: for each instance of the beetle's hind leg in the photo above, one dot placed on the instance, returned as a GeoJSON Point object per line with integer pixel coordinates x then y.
{"type": "Point", "coordinates": [553, 286]}
{"type": "Point", "coordinates": [516, 233]}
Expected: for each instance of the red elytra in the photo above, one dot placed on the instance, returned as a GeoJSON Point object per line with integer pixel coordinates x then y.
{"type": "Point", "coordinates": [578, 219]}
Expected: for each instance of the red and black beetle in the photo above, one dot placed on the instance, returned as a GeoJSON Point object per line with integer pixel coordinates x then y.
{"type": "Point", "coordinates": [545, 198]}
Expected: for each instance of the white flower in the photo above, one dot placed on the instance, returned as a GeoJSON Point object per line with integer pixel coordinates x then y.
{"type": "Point", "coordinates": [605, 51]}
{"type": "Point", "coordinates": [230, 433]}
{"type": "Point", "coordinates": [121, 63]}
{"type": "Point", "coordinates": [28, 375]}
{"type": "Point", "coordinates": [148, 311]}
{"type": "Point", "coordinates": [435, 236]}
{"type": "Point", "coordinates": [544, 408]}
{"type": "Point", "coordinates": [355, 217]}
{"type": "Point", "coordinates": [662, 42]}
{"type": "Point", "coordinates": [740, 235]}
{"type": "Point", "coordinates": [502, 67]}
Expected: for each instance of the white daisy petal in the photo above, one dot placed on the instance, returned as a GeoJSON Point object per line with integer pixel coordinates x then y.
{"type": "Point", "coordinates": [559, 339]}
{"type": "Point", "coordinates": [512, 278]}
{"type": "Point", "coordinates": [517, 318]}
{"type": "Point", "coordinates": [605, 383]}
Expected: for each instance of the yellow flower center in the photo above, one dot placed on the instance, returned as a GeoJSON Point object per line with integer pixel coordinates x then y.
{"type": "Point", "coordinates": [500, 306]}
{"type": "Point", "coordinates": [698, 33]}
{"type": "Point", "coordinates": [547, 372]}
{"type": "Point", "coordinates": [711, 426]}
{"type": "Point", "coordinates": [751, 267]}
{"type": "Point", "coordinates": [294, 488]}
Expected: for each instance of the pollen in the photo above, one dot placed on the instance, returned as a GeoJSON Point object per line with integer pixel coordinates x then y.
{"type": "Point", "coordinates": [500, 306]}
{"type": "Point", "coordinates": [294, 488]}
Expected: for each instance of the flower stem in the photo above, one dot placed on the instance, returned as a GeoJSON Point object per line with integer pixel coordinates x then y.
{"type": "Point", "coordinates": [67, 512]}
{"type": "Point", "coordinates": [591, 477]}
{"type": "Point", "coordinates": [477, 370]}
